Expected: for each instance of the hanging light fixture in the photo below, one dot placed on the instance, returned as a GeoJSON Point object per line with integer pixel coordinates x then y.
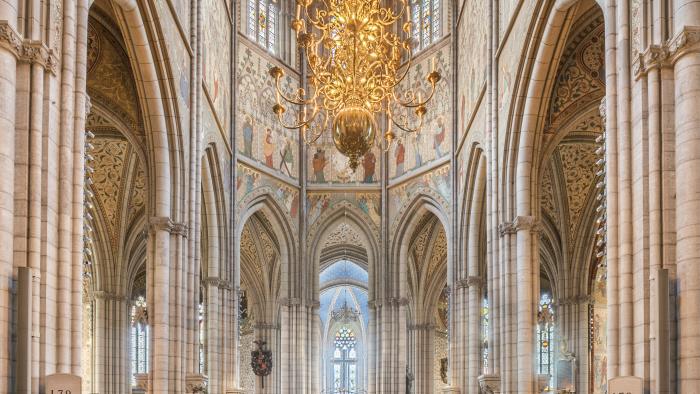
{"type": "Point", "coordinates": [354, 59]}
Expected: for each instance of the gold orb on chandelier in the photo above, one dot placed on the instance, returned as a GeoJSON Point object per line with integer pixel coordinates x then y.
{"type": "Point", "coordinates": [356, 63]}
{"type": "Point", "coordinates": [354, 131]}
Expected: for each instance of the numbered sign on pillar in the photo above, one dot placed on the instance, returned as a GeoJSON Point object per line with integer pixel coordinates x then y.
{"type": "Point", "coordinates": [625, 385]}
{"type": "Point", "coordinates": [63, 383]}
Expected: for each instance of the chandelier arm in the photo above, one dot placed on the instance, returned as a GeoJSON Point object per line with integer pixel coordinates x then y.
{"type": "Point", "coordinates": [317, 132]}
{"type": "Point", "coordinates": [298, 100]}
{"type": "Point", "coordinates": [407, 68]}
{"type": "Point", "coordinates": [302, 123]}
{"type": "Point", "coordinates": [404, 126]}
{"type": "Point", "coordinates": [412, 103]}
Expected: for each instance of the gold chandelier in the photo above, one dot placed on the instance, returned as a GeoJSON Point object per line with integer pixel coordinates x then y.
{"type": "Point", "coordinates": [354, 60]}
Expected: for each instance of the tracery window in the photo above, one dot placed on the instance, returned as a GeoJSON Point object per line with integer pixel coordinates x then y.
{"type": "Point", "coordinates": [485, 335]}
{"type": "Point", "coordinates": [263, 21]}
{"type": "Point", "coordinates": [139, 337]}
{"type": "Point", "coordinates": [345, 360]}
{"type": "Point", "coordinates": [426, 17]}
{"type": "Point", "coordinates": [545, 337]}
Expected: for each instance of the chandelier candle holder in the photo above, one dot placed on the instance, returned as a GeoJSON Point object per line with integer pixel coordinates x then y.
{"type": "Point", "coordinates": [356, 64]}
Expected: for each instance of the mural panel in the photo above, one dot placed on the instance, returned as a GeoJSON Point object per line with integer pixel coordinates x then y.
{"type": "Point", "coordinates": [508, 62]}
{"type": "Point", "coordinates": [260, 135]}
{"type": "Point", "coordinates": [216, 54]}
{"type": "Point", "coordinates": [368, 202]}
{"type": "Point", "coordinates": [182, 11]}
{"type": "Point", "coordinates": [437, 181]}
{"type": "Point", "coordinates": [433, 141]}
{"type": "Point", "coordinates": [327, 165]}
{"type": "Point", "coordinates": [115, 86]}
{"type": "Point", "coordinates": [250, 181]}
{"type": "Point", "coordinates": [179, 56]}
{"type": "Point", "coordinates": [472, 58]}
{"type": "Point", "coordinates": [506, 12]}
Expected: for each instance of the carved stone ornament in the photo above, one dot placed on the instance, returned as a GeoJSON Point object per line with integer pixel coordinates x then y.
{"type": "Point", "coordinates": [141, 380]}
{"type": "Point", "coordinates": [196, 383]}
{"type": "Point", "coordinates": [27, 51]}
{"type": "Point", "coordinates": [490, 384]}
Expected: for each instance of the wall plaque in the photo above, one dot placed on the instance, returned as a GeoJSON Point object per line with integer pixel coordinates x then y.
{"type": "Point", "coordinates": [625, 385]}
{"type": "Point", "coordinates": [63, 383]}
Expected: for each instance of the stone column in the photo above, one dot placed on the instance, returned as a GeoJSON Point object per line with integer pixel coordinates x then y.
{"type": "Point", "coordinates": [8, 61]}
{"type": "Point", "coordinates": [421, 349]}
{"type": "Point", "coordinates": [685, 50]}
{"type": "Point", "coordinates": [111, 340]}
{"type": "Point", "coordinates": [526, 300]}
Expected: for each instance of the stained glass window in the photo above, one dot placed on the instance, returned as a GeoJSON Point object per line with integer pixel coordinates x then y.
{"type": "Point", "coordinates": [485, 335]}
{"type": "Point", "coordinates": [545, 337]}
{"type": "Point", "coordinates": [139, 338]}
{"type": "Point", "coordinates": [345, 360]}
{"type": "Point", "coordinates": [263, 17]}
{"type": "Point", "coordinates": [427, 26]}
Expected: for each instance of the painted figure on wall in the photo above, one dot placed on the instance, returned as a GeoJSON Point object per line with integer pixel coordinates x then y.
{"type": "Point", "coordinates": [418, 144]}
{"type": "Point", "coordinates": [319, 164]}
{"type": "Point", "coordinates": [400, 157]}
{"type": "Point", "coordinates": [369, 163]}
{"type": "Point", "coordinates": [439, 136]}
{"type": "Point", "coordinates": [248, 136]}
{"type": "Point", "coordinates": [268, 148]}
{"type": "Point", "coordinates": [287, 157]}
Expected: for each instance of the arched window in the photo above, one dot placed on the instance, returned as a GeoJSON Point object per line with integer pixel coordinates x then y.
{"type": "Point", "coordinates": [139, 337]}
{"type": "Point", "coordinates": [345, 360]}
{"type": "Point", "coordinates": [426, 16]}
{"type": "Point", "coordinates": [485, 335]}
{"type": "Point", "coordinates": [545, 337]}
{"type": "Point", "coordinates": [263, 23]}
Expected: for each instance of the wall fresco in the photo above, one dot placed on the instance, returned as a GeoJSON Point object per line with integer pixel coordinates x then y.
{"type": "Point", "coordinates": [260, 135]}
{"type": "Point", "coordinates": [179, 57]}
{"type": "Point", "coordinates": [319, 203]}
{"type": "Point", "coordinates": [182, 11]}
{"type": "Point", "coordinates": [508, 62]}
{"type": "Point", "coordinates": [327, 165]}
{"type": "Point", "coordinates": [216, 55]}
{"type": "Point", "coordinates": [476, 135]}
{"type": "Point", "coordinates": [437, 180]}
{"type": "Point", "coordinates": [506, 12]}
{"type": "Point", "coordinates": [249, 181]}
{"type": "Point", "coordinates": [433, 141]}
{"type": "Point", "coordinates": [472, 59]}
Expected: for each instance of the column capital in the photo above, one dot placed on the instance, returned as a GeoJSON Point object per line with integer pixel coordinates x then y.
{"type": "Point", "coordinates": [27, 51]}
{"type": "Point", "coordinates": [471, 281]}
{"type": "Point", "coordinates": [164, 223]}
{"type": "Point", "coordinates": [196, 383]}
{"type": "Point", "coordinates": [687, 40]}
{"type": "Point", "coordinates": [422, 327]}
{"type": "Point", "coordinates": [106, 295]}
{"type": "Point", "coordinates": [490, 383]}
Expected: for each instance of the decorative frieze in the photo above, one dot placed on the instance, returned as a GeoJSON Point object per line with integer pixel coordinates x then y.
{"type": "Point", "coordinates": [27, 51]}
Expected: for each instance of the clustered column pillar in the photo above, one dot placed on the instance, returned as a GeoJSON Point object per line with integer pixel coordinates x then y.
{"type": "Point", "coordinates": [111, 344]}
{"type": "Point", "coordinates": [42, 104]}
{"type": "Point", "coordinates": [686, 46]}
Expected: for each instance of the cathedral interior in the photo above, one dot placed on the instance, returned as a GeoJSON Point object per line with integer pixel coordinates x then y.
{"type": "Point", "coordinates": [349, 196]}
